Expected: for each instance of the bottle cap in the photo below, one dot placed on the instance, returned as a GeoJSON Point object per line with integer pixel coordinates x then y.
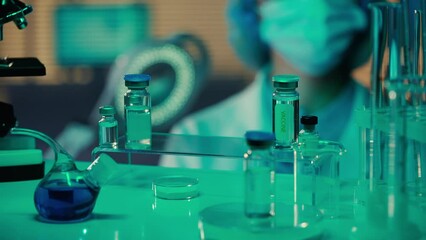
{"type": "Point", "coordinates": [259, 138]}
{"type": "Point", "coordinates": [309, 120]}
{"type": "Point", "coordinates": [107, 110]}
{"type": "Point", "coordinates": [137, 80]}
{"type": "Point", "coordinates": [175, 187]}
{"type": "Point", "coordinates": [285, 81]}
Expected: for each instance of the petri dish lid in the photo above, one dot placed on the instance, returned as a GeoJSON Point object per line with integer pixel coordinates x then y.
{"type": "Point", "coordinates": [175, 187]}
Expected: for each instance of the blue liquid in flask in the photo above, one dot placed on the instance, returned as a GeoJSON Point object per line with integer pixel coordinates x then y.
{"type": "Point", "coordinates": [65, 201]}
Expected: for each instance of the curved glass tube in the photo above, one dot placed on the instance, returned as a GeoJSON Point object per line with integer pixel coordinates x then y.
{"type": "Point", "coordinates": [62, 158]}
{"type": "Point", "coordinates": [67, 194]}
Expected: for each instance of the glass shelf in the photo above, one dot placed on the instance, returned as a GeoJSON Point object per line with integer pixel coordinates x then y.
{"type": "Point", "coordinates": [188, 145]}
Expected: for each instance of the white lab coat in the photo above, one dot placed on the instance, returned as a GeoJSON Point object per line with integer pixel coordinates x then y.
{"type": "Point", "coordinates": [251, 109]}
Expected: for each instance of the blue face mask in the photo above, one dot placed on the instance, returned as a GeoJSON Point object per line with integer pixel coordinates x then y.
{"type": "Point", "coordinates": [243, 34]}
{"type": "Point", "coordinates": [312, 35]}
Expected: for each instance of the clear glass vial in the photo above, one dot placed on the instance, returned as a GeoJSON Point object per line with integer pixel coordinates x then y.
{"type": "Point", "coordinates": [108, 127]}
{"type": "Point", "coordinates": [259, 175]}
{"type": "Point", "coordinates": [309, 136]}
{"type": "Point", "coordinates": [285, 104]}
{"type": "Point", "coordinates": [137, 105]}
{"type": "Point", "coordinates": [306, 162]}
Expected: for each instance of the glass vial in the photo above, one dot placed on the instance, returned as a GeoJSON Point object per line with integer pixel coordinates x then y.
{"type": "Point", "coordinates": [285, 104]}
{"type": "Point", "coordinates": [309, 136]}
{"type": "Point", "coordinates": [307, 149]}
{"type": "Point", "coordinates": [259, 175]}
{"type": "Point", "coordinates": [108, 127]}
{"type": "Point", "coordinates": [137, 106]}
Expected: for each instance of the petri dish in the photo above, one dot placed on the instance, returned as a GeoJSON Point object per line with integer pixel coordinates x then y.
{"type": "Point", "coordinates": [175, 187]}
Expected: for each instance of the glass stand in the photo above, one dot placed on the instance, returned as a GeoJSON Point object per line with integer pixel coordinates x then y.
{"type": "Point", "coordinates": [176, 144]}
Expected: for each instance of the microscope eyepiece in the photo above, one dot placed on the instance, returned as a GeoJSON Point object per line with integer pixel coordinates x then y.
{"type": "Point", "coordinates": [13, 10]}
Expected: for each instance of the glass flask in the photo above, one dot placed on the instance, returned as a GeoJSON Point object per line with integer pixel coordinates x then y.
{"type": "Point", "coordinates": [67, 194]}
{"type": "Point", "coordinates": [316, 175]}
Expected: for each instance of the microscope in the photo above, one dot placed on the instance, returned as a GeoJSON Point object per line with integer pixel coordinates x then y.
{"type": "Point", "coordinates": [21, 160]}
{"type": "Point", "coordinates": [15, 10]}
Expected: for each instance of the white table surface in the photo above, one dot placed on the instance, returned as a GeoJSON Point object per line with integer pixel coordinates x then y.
{"type": "Point", "coordinates": [127, 209]}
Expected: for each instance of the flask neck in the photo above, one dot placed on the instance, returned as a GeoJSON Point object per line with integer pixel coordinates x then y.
{"type": "Point", "coordinates": [100, 170]}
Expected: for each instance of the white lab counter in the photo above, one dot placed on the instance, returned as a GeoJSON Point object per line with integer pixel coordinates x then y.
{"type": "Point", "coordinates": [126, 208]}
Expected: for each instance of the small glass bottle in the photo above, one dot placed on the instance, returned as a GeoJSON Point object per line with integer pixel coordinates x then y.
{"type": "Point", "coordinates": [309, 136]}
{"type": "Point", "coordinates": [259, 175]}
{"type": "Point", "coordinates": [285, 104]}
{"type": "Point", "coordinates": [307, 150]}
{"type": "Point", "coordinates": [108, 127]}
{"type": "Point", "coordinates": [137, 105]}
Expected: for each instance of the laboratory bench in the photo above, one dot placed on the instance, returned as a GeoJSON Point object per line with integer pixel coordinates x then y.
{"type": "Point", "coordinates": [128, 208]}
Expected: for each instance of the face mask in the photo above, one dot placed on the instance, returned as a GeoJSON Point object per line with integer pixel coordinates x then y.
{"type": "Point", "coordinates": [243, 34]}
{"type": "Point", "coordinates": [312, 35]}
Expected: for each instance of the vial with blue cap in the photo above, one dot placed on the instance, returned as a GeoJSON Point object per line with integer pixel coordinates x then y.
{"type": "Point", "coordinates": [259, 168]}
{"type": "Point", "coordinates": [137, 107]}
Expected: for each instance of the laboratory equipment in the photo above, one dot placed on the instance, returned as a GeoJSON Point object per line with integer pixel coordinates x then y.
{"type": "Point", "coordinates": [390, 127]}
{"type": "Point", "coordinates": [19, 159]}
{"type": "Point", "coordinates": [179, 64]}
{"type": "Point", "coordinates": [285, 107]}
{"type": "Point", "coordinates": [14, 10]}
{"type": "Point", "coordinates": [65, 194]}
{"type": "Point", "coordinates": [137, 101]}
{"type": "Point", "coordinates": [175, 187]}
{"type": "Point", "coordinates": [259, 175]}
{"type": "Point", "coordinates": [309, 135]}
{"type": "Point", "coordinates": [316, 169]}
{"type": "Point", "coordinates": [108, 127]}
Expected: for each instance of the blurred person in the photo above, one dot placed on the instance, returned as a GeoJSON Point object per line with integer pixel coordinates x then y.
{"type": "Point", "coordinates": [321, 41]}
